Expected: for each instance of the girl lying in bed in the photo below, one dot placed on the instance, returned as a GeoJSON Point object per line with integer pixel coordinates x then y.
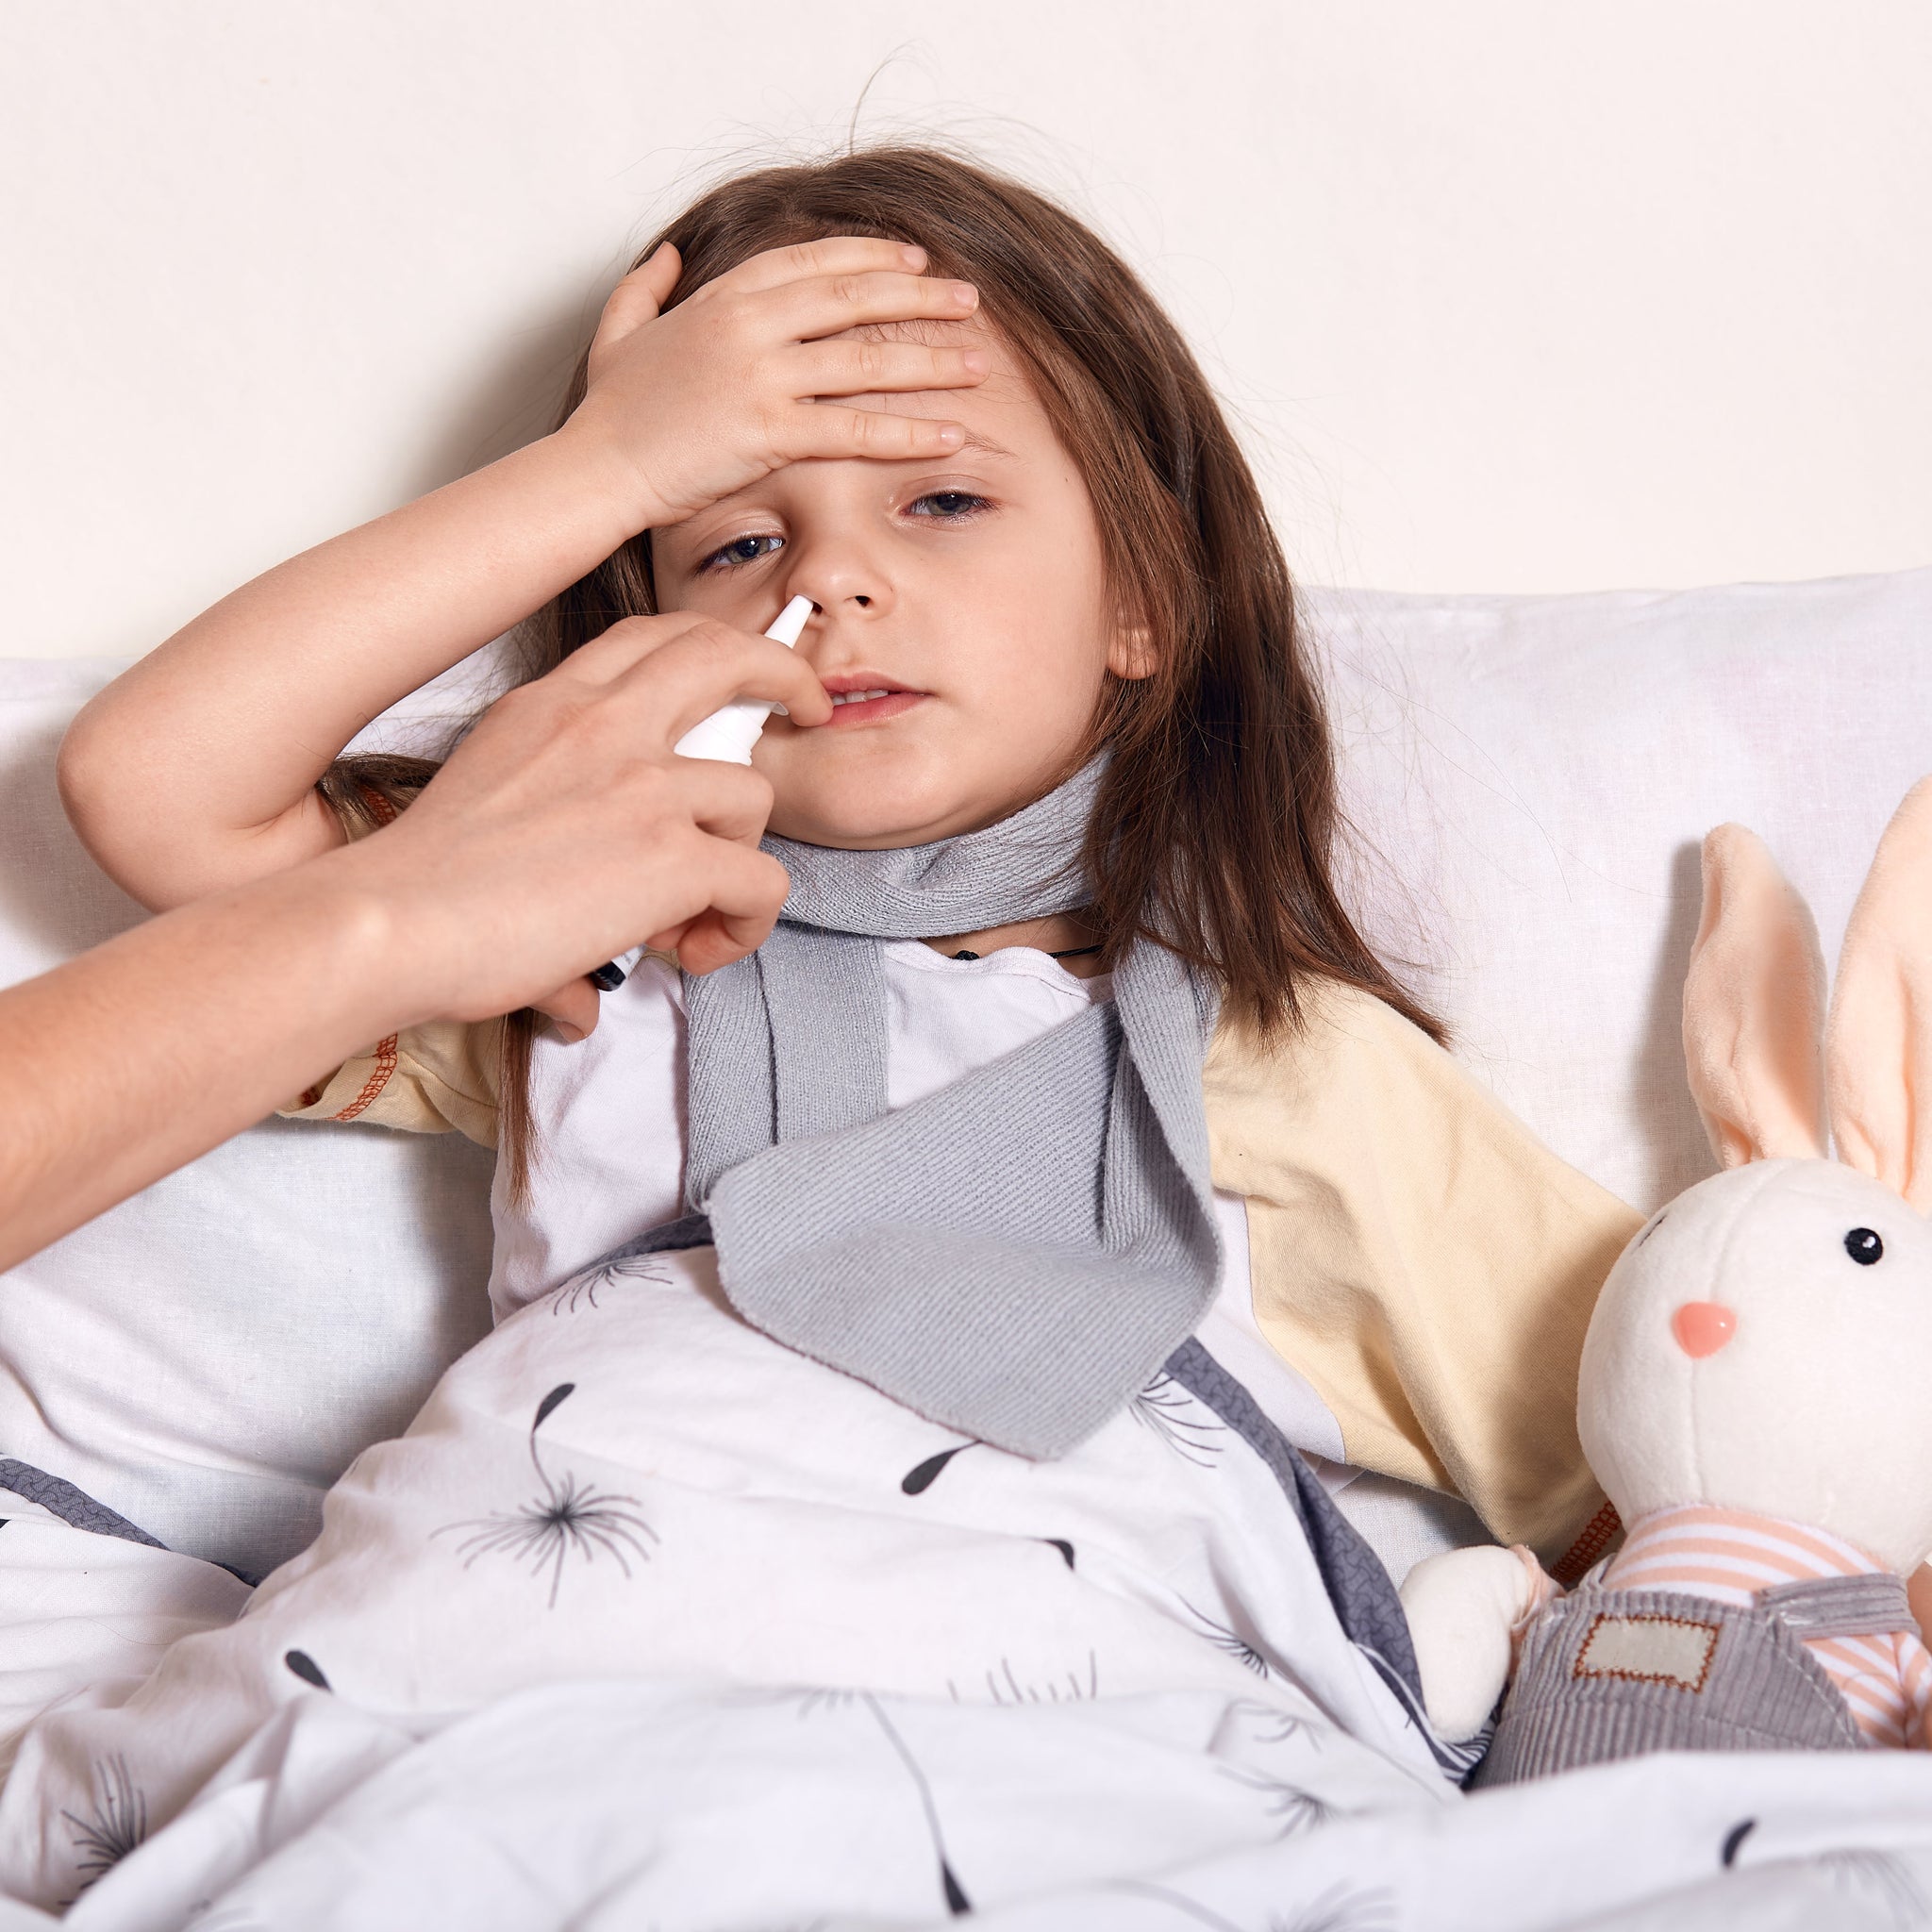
{"type": "Point", "coordinates": [1077, 797]}
{"type": "Point", "coordinates": [1067, 1046]}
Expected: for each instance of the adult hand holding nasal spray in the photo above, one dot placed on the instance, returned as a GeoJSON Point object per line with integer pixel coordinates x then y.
{"type": "Point", "coordinates": [727, 736]}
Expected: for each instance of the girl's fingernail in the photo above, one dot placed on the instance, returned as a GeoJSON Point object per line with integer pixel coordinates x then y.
{"type": "Point", "coordinates": [950, 434]}
{"type": "Point", "coordinates": [977, 362]}
{"type": "Point", "coordinates": [913, 255]}
{"type": "Point", "coordinates": [966, 295]}
{"type": "Point", "coordinates": [565, 1031]}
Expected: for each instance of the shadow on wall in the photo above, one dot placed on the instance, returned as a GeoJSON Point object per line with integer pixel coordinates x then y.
{"type": "Point", "coordinates": [514, 399]}
{"type": "Point", "coordinates": [1676, 1147]}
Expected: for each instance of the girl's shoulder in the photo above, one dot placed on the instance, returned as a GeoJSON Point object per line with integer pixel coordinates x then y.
{"type": "Point", "coordinates": [444, 1076]}
{"type": "Point", "coordinates": [1349, 1055]}
{"type": "Point", "coordinates": [1338, 1029]}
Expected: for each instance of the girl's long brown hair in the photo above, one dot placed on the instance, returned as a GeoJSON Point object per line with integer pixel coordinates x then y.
{"type": "Point", "coordinates": [1217, 821]}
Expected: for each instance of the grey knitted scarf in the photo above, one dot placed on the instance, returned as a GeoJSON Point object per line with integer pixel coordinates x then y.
{"type": "Point", "coordinates": [1013, 1256]}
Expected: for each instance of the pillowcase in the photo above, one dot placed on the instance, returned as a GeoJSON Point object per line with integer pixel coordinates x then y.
{"type": "Point", "coordinates": [207, 1358]}
{"type": "Point", "coordinates": [1532, 778]}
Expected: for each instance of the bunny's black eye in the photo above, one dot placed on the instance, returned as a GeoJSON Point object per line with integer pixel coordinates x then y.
{"type": "Point", "coordinates": [1863, 1246]}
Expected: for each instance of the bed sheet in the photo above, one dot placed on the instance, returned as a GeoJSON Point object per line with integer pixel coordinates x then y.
{"type": "Point", "coordinates": [649, 1621]}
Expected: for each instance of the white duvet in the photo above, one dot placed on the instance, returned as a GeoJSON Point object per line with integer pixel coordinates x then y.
{"type": "Point", "coordinates": [649, 1622]}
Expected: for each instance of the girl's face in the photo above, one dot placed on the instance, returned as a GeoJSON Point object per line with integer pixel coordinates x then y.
{"type": "Point", "coordinates": [967, 589]}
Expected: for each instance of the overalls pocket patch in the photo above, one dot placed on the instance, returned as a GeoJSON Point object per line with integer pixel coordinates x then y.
{"type": "Point", "coordinates": [1649, 1650]}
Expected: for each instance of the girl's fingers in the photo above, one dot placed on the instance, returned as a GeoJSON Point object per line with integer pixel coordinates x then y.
{"type": "Point", "coordinates": [833, 255]}
{"type": "Point", "coordinates": [827, 304]}
{"type": "Point", "coordinates": [636, 300]}
{"type": "Point", "coordinates": [832, 431]}
{"type": "Point", "coordinates": [861, 368]}
{"type": "Point", "coordinates": [659, 270]}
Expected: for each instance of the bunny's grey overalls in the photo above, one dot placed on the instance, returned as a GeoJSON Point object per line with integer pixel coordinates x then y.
{"type": "Point", "coordinates": [1607, 1673]}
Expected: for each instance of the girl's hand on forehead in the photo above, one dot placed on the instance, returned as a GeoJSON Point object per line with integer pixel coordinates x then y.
{"type": "Point", "coordinates": [742, 376]}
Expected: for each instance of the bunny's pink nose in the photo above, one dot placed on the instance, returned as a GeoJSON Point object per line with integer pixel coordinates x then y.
{"type": "Point", "coordinates": [1702, 1327]}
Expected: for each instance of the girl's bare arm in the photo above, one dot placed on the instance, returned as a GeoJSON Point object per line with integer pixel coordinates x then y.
{"type": "Point", "coordinates": [196, 769]}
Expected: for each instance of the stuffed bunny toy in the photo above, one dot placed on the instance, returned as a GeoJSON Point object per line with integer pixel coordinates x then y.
{"type": "Point", "coordinates": [1752, 1394]}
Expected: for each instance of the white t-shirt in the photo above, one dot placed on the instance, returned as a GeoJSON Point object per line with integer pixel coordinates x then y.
{"type": "Point", "coordinates": [609, 1121]}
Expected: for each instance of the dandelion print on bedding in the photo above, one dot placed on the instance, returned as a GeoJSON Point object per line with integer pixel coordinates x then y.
{"type": "Point", "coordinates": [566, 1519]}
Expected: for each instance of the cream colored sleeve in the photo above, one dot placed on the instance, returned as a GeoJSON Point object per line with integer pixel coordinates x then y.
{"type": "Point", "coordinates": [428, 1080]}
{"type": "Point", "coordinates": [1423, 1258]}
{"type": "Point", "coordinates": [438, 1079]}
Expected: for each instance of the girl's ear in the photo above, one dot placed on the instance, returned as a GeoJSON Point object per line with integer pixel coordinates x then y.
{"type": "Point", "coordinates": [1754, 1007]}
{"type": "Point", "coordinates": [1878, 1051]}
{"type": "Point", "coordinates": [1132, 655]}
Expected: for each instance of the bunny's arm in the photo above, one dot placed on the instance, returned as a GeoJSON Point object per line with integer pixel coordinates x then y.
{"type": "Point", "coordinates": [1918, 1592]}
{"type": "Point", "coordinates": [1466, 1608]}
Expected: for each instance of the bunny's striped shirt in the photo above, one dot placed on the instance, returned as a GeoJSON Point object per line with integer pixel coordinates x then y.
{"type": "Point", "coordinates": [1731, 1556]}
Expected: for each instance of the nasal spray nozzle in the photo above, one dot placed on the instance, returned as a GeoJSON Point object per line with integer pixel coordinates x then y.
{"type": "Point", "coordinates": [726, 736]}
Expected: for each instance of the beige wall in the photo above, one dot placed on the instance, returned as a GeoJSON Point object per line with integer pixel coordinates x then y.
{"type": "Point", "coordinates": [1512, 295]}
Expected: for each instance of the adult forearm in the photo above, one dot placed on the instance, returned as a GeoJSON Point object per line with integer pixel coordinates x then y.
{"type": "Point", "coordinates": [195, 769]}
{"type": "Point", "coordinates": [564, 830]}
{"type": "Point", "coordinates": [125, 1063]}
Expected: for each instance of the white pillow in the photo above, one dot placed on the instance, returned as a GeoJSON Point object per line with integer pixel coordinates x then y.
{"type": "Point", "coordinates": [207, 1358]}
{"type": "Point", "coordinates": [1535, 773]}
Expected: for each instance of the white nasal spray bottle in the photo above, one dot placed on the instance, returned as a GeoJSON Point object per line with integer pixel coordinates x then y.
{"type": "Point", "coordinates": [727, 736]}
{"type": "Point", "coordinates": [730, 735]}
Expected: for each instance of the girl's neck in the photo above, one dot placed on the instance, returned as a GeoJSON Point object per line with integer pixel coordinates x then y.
{"type": "Point", "coordinates": [1065, 932]}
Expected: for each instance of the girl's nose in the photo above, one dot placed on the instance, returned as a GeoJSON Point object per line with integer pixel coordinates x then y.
{"type": "Point", "coordinates": [1702, 1327]}
{"type": "Point", "coordinates": [841, 573]}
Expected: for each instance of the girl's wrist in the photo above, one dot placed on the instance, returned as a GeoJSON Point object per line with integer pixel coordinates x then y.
{"type": "Point", "coordinates": [611, 472]}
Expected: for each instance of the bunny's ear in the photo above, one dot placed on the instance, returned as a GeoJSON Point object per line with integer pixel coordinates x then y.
{"type": "Point", "coordinates": [1754, 1007]}
{"type": "Point", "coordinates": [1878, 1053]}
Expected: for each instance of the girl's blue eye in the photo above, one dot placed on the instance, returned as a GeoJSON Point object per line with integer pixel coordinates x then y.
{"type": "Point", "coordinates": [949, 503]}
{"type": "Point", "coordinates": [742, 550]}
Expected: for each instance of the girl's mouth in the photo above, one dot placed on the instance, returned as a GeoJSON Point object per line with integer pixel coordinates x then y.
{"type": "Point", "coordinates": [862, 698]}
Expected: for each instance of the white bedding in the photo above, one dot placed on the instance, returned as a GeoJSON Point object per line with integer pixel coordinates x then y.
{"type": "Point", "coordinates": [649, 1621]}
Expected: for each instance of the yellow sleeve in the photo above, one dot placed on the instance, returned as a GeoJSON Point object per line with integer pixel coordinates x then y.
{"type": "Point", "coordinates": [440, 1077]}
{"type": "Point", "coordinates": [1423, 1258]}
{"type": "Point", "coordinates": [428, 1080]}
